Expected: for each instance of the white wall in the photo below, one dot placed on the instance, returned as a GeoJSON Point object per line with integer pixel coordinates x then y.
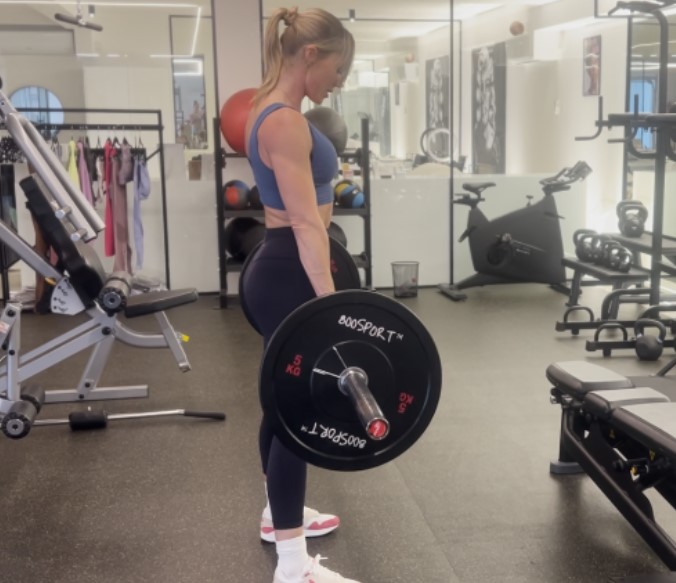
{"type": "Point", "coordinates": [546, 110]}
{"type": "Point", "coordinates": [410, 222]}
{"type": "Point", "coordinates": [62, 75]}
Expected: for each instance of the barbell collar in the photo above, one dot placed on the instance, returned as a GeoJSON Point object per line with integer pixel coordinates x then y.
{"type": "Point", "coordinates": [353, 382]}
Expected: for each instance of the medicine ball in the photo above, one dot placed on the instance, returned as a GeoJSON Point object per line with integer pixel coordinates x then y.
{"type": "Point", "coordinates": [338, 234]}
{"type": "Point", "coordinates": [329, 123]}
{"type": "Point", "coordinates": [348, 194]}
{"type": "Point", "coordinates": [255, 198]}
{"type": "Point", "coordinates": [234, 114]}
{"type": "Point", "coordinates": [242, 235]}
{"type": "Point", "coordinates": [235, 195]}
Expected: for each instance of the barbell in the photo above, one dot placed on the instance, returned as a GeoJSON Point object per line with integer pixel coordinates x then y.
{"type": "Point", "coordinates": [350, 380]}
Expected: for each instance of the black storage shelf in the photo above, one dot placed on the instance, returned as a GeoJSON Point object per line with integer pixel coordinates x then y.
{"type": "Point", "coordinates": [227, 264]}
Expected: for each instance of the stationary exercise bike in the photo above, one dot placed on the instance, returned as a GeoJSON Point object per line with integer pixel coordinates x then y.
{"type": "Point", "coordinates": [524, 245]}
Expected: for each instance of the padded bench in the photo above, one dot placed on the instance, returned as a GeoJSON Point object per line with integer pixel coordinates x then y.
{"type": "Point", "coordinates": [621, 431]}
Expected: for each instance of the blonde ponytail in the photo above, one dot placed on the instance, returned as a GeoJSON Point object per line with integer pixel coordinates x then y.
{"type": "Point", "coordinates": [315, 26]}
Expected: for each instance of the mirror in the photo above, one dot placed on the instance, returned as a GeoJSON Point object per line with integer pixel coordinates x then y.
{"type": "Point", "coordinates": [190, 64]}
{"type": "Point", "coordinates": [400, 80]}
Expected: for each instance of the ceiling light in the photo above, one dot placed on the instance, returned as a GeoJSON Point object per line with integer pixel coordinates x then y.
{"type": "Point", "coordinates": [78, 19]}
{"type": "Point", "coordinates": [352, 15]}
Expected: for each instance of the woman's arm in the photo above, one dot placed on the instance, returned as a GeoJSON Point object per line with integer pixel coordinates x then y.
{"type": "Point", "coordinates": [285, 141]}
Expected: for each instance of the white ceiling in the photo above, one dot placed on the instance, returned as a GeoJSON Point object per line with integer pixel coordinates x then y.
{"type": "Point", "coordinates": [129, 30]}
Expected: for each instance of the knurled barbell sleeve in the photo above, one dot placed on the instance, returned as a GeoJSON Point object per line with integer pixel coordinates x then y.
{"type": "Point", "coordinates": [353, 382]}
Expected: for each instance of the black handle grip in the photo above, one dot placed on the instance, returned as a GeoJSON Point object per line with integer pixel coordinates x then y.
{"type": "Point", "coordinates": [205, 415]}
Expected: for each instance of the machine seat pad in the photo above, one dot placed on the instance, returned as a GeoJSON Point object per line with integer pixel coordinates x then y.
{"type": "Point", "coordinates": [477, 187]}
{"type": "Point", "coordinates": [158, 301]}
{"type": "Point", "coordinates": [664, 384]}
{"type": "Point", "coordinates": [578, 377]}
{"type": "Point", "coordinates": [603, 403]}
{"type": "Point", "coordinates": [652, 424]}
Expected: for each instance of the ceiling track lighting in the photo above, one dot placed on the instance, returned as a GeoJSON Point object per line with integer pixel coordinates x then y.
{"type": "Point", "coordinates": [352, 15]}
{"type": "Point", "coordinates": [79, 19]}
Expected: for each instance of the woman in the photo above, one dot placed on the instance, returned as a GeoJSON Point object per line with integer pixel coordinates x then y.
{"type": "Point", "coordinates": [293, 166]}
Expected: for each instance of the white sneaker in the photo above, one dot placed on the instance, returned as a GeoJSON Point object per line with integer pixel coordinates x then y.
{"type": "Point", "coordinates": [314, 524]}
{"type": "Point", "coordinates": [315, 573]}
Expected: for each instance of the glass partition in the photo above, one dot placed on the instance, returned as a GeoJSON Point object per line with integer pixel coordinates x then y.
{"type": "Point", "coordinates": [132, 63]}
{"type": "Point", "coordinates": [400, 81]}
{"type": "Point", "coordinates": [100, 60]}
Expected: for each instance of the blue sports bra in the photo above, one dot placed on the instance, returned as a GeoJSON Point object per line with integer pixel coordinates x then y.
{"type": "Point", "coordinates": [323, 159]}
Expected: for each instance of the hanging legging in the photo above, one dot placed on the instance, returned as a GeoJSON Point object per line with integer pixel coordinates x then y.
{"type": "Point", "coordinates": [109, 234]}
{"type": "Point", "coordinates": [122, 249]}
{"type": "Point", "coordinates": [276, 284]}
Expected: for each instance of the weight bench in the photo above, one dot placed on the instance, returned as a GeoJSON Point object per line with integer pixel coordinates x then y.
{"type": "Point", "coordinates": [79, 285]}
{"type": "Point", "coordinates": [602, 276]}
{"type": "Point", "coordinates": [622, 432]}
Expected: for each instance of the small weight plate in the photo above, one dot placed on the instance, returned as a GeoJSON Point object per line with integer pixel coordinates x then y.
{"type": "Point", "coordinates": [343, 269]}
{"type": "Point", "coordinates": [315, 343]}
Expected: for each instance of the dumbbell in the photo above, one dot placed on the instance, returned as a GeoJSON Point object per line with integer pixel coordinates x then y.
{"type": "Point", "coordinates": [632, 216]}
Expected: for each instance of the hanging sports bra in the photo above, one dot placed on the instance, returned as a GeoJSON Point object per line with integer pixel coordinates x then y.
{"type": "Point", "coordinates": [323, 160]}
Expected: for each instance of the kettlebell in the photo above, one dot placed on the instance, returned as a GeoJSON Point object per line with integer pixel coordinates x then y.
{"type": "Point", "coordinates": [598, 244]}
{"type": "Point", "coordinates": [632, 216]}
{"type": "Point", "coordinates": [620, 258]}
{"type": "Point", "coordinates": [649, 347]}
{"type": "Point", "coordinates": [582, 240]}
{"type": "Point", "coordinates": [607, 246]}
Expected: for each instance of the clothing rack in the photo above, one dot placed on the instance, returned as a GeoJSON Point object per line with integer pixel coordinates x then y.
{"type": "Point", "coordinates": [155, 127]}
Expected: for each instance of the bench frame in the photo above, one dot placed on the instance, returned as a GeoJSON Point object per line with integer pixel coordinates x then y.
{"type": "Point", "coordinates": [592, 444]}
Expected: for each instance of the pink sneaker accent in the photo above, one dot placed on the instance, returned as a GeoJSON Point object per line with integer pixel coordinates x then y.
{"type": "Point", "coordinates": [321, 527]}
{"type": "Point", "coordinates": [314, 524]}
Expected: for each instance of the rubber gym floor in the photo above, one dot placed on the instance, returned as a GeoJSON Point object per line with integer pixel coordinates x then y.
{"type": "Point", "coordinates": [178, 500]}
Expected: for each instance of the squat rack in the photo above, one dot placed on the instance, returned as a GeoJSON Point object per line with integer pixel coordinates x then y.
{"type": "Point", "coordinates": [154, 127]}
{"type": "Point", "coordinates": [662, 123]}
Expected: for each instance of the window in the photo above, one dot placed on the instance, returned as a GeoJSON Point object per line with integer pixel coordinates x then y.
{"type": "Point", "coordinates": [40, 98]}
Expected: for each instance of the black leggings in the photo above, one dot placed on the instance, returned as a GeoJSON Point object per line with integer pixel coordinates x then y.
{"type": "Point", "coordinates": [275, 285]}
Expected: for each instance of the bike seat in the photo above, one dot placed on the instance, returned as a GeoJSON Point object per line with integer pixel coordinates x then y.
{"type": "Point", "coordinates": [477, 187]}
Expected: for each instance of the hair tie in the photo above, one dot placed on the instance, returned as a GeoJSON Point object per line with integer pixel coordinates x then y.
{"type": "Point", "coordinates": [290, 16]}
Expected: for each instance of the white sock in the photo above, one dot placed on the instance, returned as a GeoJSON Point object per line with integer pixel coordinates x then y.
{"type": "Point", "coordinates": [291, 557]}
{"type": "Point", "coordinates": [267, 511]}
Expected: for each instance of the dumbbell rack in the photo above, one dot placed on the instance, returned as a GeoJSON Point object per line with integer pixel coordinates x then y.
{"type": "Point", "coordinates": [227, 264]}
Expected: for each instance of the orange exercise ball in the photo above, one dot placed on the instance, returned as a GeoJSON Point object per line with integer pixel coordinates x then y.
{"type": "Point", "coordinates": [233, 118]}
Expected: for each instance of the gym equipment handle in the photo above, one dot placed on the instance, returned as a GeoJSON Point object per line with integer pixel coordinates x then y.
{"type": "Point", "coordinates": [353, 382]}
